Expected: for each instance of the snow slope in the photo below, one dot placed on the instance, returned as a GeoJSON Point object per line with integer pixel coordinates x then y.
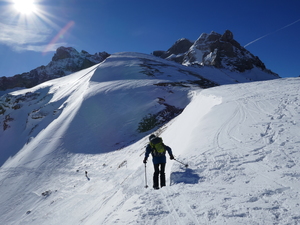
{"type": "Point", "coordinates": [241, 143]}
{"type": "Point", "coordinates": [104, 103]}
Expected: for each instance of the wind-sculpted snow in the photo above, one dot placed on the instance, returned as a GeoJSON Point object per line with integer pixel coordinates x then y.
{"type": "Point", "coordinates": [83, 163]}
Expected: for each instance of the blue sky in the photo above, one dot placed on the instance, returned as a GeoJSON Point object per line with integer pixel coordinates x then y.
{"type": "Point", "coordinates": [270, 29]}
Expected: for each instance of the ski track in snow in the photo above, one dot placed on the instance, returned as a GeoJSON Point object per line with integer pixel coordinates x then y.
{"type": "Point", "coordinates": [241, 143]}
{"type": "Point", "coordinates": [241, 177]}
{"type": "Point", "coordinates": [262, 156]}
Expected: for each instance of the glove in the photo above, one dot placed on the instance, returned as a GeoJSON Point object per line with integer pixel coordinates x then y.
{"type": "Point", "coordinates": [145, 160]}
{"type": "Point", "coordinates": [171, 157]}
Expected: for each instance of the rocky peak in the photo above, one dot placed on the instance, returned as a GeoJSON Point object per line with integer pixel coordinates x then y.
{"type": "Point", "coordinates": [179, 47]}
{"type": "Point", "coordinates": [64, 52]}
{"type": "Point", "coordinates": [65, 61]}
{"type": "Point", "coordinates": [220, 51]}
{"type": "Point", "coordinates": [176, 52]}
{"type": "Point", "coordinates": [227, 36]}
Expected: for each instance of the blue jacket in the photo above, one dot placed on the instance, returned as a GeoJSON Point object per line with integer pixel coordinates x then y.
{"type": "Point", "coordinates": [157, 159]}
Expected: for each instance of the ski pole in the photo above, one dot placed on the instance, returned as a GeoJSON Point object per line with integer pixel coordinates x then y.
{"type": "Point", "coordinates": [186, 165]}
{"type": "Point", "coordinates": [145, 177]}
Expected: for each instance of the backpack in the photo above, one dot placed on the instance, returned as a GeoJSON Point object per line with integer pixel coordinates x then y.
{"type": "Point", "coordinates": [158, 147]}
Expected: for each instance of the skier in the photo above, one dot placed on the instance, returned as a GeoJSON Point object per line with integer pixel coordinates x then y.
{"type": "Point", "coordinates": [158, 151]}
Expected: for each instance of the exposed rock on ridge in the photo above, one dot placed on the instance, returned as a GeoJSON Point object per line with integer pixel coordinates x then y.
{"type": "Point", "coordinates": [220, 51]}
{"type": "Point", "coordinates": [176, 52]}
{"type": "Point", "coordinates": [65, 61]}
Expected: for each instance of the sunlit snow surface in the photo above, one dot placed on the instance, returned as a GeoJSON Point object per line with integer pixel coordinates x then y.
{"type": "Point", "coordinates": [241, 143]}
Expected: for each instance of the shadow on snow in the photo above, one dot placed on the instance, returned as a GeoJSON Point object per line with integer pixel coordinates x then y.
{"type": "Point", "coordinates": [188, 176]}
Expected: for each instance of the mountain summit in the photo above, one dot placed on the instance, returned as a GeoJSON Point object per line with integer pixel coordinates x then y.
{"type": "Point", "coordinates": [65, 61]}
{"type": "Point", "coordinates": [220, 51]}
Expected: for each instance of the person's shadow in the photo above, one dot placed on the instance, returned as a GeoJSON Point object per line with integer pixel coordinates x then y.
{"type": "Point", "coordinates": [188, 176]}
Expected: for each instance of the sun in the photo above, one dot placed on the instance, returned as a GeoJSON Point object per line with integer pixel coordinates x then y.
{"type": "Point", "coordinates": [24, 6]}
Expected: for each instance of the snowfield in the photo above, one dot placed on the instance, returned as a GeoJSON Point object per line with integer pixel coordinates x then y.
{"type": "Point", "coordinates": [72, 154]}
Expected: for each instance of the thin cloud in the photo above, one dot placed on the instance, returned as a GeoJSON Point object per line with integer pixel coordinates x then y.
{"type": "Point", "coordinates": [20, 37]}
{"type": "Point", "coordinates": [271, 33]}
{"type": "Point", "coordinates": [258, 39]}
{"type": "Point", "coordinates": [39, 48]}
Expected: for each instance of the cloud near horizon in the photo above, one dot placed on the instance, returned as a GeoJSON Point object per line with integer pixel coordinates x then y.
{"type": "Point", "coordinates": [23, 38]}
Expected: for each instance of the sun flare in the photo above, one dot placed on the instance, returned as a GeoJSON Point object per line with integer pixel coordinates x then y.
{"type": "Point", "coordinates": [24, 6]}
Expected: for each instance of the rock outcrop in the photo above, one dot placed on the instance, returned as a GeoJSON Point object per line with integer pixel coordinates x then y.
{"type": "Point", "coordinates": [65, 61]}
{"type": "Point", "coordinates": [220, 51]}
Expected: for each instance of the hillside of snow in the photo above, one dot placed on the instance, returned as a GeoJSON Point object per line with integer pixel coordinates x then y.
{"type": "Point", "coordinates": [71, 152]}
{"type": "Point", "coordinates": [96, 110]}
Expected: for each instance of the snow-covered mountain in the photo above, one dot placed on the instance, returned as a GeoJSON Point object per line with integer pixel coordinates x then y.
{"type": "Point", "coordinates": [211, 52]}
{"type": "Point", "coordinates": [65, 61]}
{"type": "Point", "coordinates": [72, 148]}
{"type": "Point", "coordinates": [219, 51]}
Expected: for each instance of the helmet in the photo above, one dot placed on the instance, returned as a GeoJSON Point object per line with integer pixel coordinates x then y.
{"type": "Point", "coordinates": [151, 137]}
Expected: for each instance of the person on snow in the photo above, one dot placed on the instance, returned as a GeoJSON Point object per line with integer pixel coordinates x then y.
{"type": "Point", "coordinates": [158, 151]}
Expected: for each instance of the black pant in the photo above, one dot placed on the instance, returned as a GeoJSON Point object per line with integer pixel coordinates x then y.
{"type": "Point", "coordinates": [160, 171]}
